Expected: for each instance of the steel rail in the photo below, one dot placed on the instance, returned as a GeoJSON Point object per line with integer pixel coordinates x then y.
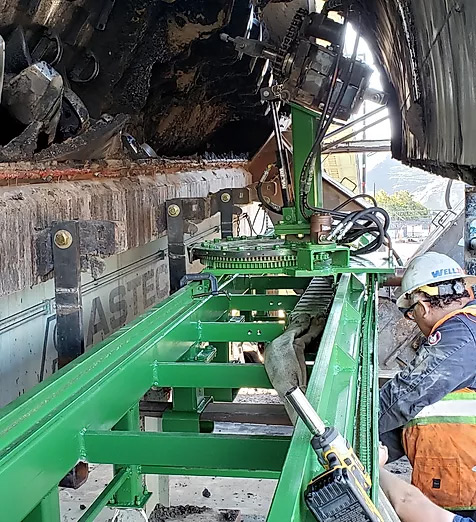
{"type": "Point", "coordinates": [332, 390]}
{"type": "Point", "coordinates": [40, 433]}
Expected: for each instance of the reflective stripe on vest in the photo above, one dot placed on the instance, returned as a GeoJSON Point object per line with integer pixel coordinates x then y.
{"type": "Point", "coordinates": [457, 407]}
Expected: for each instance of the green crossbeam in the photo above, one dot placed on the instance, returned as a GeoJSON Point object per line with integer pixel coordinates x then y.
{"type": "Point", "coordinates": [237, 332]}
{"type": "Point", "coordinates": [189, 453]}
{"type": "Point", "coordinates": [270, 303]}
{"type": "Point", "coordinates": [212, 375]}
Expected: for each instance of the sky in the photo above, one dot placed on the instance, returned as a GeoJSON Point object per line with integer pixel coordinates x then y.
{"type": "Point", "coordinates": [381, 131]}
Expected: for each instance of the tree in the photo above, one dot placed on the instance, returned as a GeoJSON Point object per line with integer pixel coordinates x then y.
{"type": "Point", "coordinates": [401, 205]}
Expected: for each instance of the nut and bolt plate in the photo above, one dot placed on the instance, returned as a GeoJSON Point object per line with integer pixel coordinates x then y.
{"type": "Point", "coordinates": [63, 239]}
{"type": "Point", "coordinates": [173, 210]}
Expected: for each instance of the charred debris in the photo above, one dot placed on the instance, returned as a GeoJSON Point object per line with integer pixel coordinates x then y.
{"type": "Point", "coordinates": [102, 79]}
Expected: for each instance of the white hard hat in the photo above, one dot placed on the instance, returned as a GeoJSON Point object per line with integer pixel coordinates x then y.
{"type": "Point", "coordinates": [426, 269]}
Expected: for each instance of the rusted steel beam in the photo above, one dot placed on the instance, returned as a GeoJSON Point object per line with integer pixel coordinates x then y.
{"type": "Point", "coordinates": [28, 172]}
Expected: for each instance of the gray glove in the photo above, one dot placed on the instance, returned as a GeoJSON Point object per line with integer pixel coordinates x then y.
{"type": "Point", "coordinates": [284, 358]}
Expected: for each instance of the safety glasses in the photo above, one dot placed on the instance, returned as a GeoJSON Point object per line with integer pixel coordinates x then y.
{"type": "Point", "coordinates": [408, 313]}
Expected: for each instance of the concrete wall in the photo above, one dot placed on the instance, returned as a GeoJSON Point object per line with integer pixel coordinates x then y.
{"type": "Point", "coordinates": [135, 203]}
{"type": "Point", "coordinates": [132, 280]}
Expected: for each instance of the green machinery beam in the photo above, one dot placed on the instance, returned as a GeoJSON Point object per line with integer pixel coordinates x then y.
{"type": "Point", "coordinates": [190, 453]}
{"type": "Point", "coordinates": [88, 410]}
{"type": "Point", "coordinates": [335, 394]}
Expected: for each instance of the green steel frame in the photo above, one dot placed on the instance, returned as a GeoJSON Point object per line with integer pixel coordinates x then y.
{"type": "Point", "coordinates": [89, 410]}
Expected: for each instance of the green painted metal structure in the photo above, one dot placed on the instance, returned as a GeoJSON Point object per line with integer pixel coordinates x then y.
{"type": "Point", "coordinates": [89, 410]}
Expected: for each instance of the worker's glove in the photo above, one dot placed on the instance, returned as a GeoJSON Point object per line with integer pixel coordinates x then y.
{"type": "Point", "coordinates": [284, 357]}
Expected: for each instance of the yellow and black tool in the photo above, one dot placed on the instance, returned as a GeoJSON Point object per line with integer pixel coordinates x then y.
{"type": "Point", "coordinates": [341, 492]}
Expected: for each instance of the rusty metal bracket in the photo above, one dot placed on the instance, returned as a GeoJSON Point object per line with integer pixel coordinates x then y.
{"type": "Point", "coordinates": [69, 312]}
{"type": "Point", "coordinates": [183, 213]}
{"type": "Point", "coordinates": [96, 239]}
{"type": "Point", "coordinates": [175, 235]}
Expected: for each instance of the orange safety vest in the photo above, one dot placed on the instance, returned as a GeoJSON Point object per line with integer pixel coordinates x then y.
{"type": "Point", "coordinates": [440, 443]}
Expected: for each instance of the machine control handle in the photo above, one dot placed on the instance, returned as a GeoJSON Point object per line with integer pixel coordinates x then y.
{"type": "Point", "coordinates": [201, 277]}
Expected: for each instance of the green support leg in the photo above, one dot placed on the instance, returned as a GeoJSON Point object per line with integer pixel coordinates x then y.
{"type": "Point", "coordinates": [222, 394]}
{"type": "Point", "coordinates": [184, 416]}
{"type": "Point", "coordinates": [133, 492]}
{"type": "Point", "coordinates": [305, 124]}
{"type": "Point", "coordinates": [47, 510]}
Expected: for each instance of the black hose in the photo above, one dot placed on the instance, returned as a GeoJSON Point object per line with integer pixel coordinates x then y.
{"type": "Point", "coordinates": [345, 85]}
{"type": "Point", "coordinates": [448, 194]}
{"type": "Point", "coordinates": [374, 221]}
{"type": "Point", "coordinates": [323, 127]}
{"type": "Point", "coordinates": [334, 77]}
{"type": "Point", "coordinates": [358, 196]}
{"type": "Point", "coordinates": [304, 181]}
{"type": "Point", "coordinates": [268, 206]}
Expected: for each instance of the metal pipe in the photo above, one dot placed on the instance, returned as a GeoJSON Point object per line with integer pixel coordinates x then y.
{"type": "Point", "coordinates": [306, 412]}
{"type": "Point", "coordinates": [353, 122]}
{"type": "Point", "coordinates": [361, 146]}
{"type": "Point", "coordinates": [110, 490]}
{"type": "Point", "coordinates": [284, 175]}
{"type": "Point", "coordinates": [330, 146]}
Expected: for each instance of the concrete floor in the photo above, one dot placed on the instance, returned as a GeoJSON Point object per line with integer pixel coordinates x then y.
{"type": "Point", "coordinates": [251, 496]}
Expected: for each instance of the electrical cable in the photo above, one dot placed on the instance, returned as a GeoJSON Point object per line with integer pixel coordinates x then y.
{"type": "Point", "coordinates": [343, 89]}
{"type": "Point", "coordinates": [305, 177]}
{"type": "Point", "coordinates": [325, 126]}
{"type": "Point", "coordinates": [250, 224]}
{"type": "Point", "coordinates": [326, 120]}
{"type": "Point", "coordinates": [334, 78]}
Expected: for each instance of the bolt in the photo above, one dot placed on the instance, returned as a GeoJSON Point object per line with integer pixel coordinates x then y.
{"type": "Point", "coordinates": [63, 239]}
{"type": "Point", "coordinates": [266, 94]}
{"type": "Point", "coordinates": [225, 197]}
{"type": "Point", "coordinates": [173, 210]}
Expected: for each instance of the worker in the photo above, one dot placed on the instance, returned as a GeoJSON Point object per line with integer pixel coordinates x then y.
{"type": "Point", "coordinates": [409, 502]}
{"type": "Point", "coordinates": [428, 410]}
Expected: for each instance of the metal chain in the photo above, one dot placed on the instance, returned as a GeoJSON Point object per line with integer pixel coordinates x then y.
{"type": "Point", "coordinates": [291, 35]}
